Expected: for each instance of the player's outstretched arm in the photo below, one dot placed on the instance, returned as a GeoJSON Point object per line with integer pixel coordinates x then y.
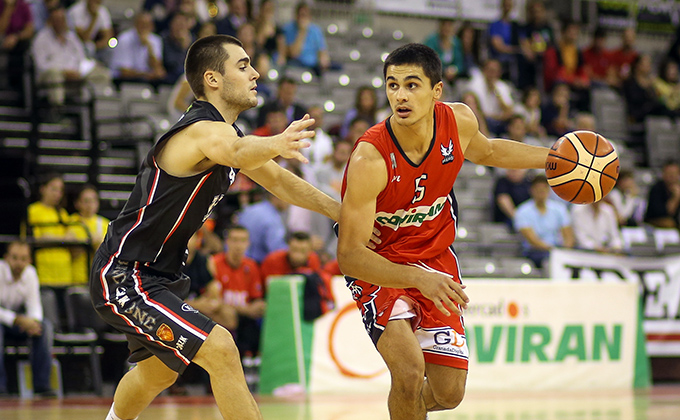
{"type": "Point", "coordinates": [366, 178]}
{"type": "Point", "coordinates": [293, 189]}
{"type": "Point", "coordinates": [501, 153]}
{"type": "Point", "coordinates": [220, 144]}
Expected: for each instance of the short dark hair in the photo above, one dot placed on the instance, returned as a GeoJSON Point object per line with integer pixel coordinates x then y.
{"type": "Point", "coordinates": [419, 54]}
{"type": "Point", "coordinates": [298, 236]}
{"type": "Point", "coordinates": [539, 180]}
{"type": "Point", "coordinates": [228, 230]}
{"type": "Point", "coordinates": [206, 54]}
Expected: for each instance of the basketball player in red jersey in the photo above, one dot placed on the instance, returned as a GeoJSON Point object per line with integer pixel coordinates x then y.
{"type": "Point", "coordinates": [400, 180]}
{"type": "Point", "coordinates": [136, 282]}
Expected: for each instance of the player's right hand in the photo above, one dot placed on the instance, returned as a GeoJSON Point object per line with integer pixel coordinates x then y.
{"type": "Point", "coordinates": [294, 138]}
{"type": "Point", "coordinates": [445, 293]}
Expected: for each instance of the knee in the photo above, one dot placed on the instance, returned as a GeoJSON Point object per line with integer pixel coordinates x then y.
{"type": "Point", "coordinates": [166, 379]}
{"type": "Point", "coordinates": [218, 351]}
{"type": "Point", "coordinates": [409, 380]}
{"type": "Point", "coordinates": [450, 397]}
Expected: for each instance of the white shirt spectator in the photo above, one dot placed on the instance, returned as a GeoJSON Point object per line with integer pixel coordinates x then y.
{"type": "Point", "coordinates": [596, 231]}
{"type": "Point", "coordinates": [50, 54]}
{"type": "Point", "coordinates": [321, 148]}
{"type": "Point", "coordinates": [488, 101]}
{"type": "Point", "coordinates": [130, 53]}
{"type": "Point", "coordinates": [79, 17]}
{"type": "Point", "coordinates": [24, 292]}
{"type": "Point", "coordinates": [628, 206]}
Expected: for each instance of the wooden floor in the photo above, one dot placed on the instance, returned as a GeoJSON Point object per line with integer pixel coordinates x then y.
{"type": "Point", "coordinates": [658, 403]}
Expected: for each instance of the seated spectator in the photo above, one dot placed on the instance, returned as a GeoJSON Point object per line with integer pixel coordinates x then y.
{"type": "Point", "coordinates": [239, 286]}
{"type": "Point", "coordinates": [556, 116]}
{"type": "Point", "coordinates": [638, 90]}
{"type": "Point", "coordinates": [176, 42]}
{"type": "Point", "coordinates": [286, 99]}
{"type": "Point", "coordinates": [88, 227]}
{"type": "Point", "coordinates": [161, 11]}
{"type": "Point", "coordinates": [510, 191]}
{"type": "Point", "coordinates": [624, 56]}
{"type": "Point", "coordinates": [264, 222]}
{"type": "Point", "coordinates": [667, 85]}
{"type": "Point", "coordinates": [495, 96]}
{"type": "Point", "coordinates": [190, 8]}
{"type": "Point", "coordinates": [16, 31]}
{"type": "Point", "coordinates": [450, 50]}
{"type": "Point", "coordinates": [365, 106]}
{"type": "Point", "coordinates": [517, 130]}
{"type": "Point", "coordinates": [503, 41]}
{"type": "Point", "coordinates": [321, 144]}
{"type": "Point", "coordinates": [625, 199]}
{"type": "Point", "coordinates": [598, 61]}
{"type": "Point", "coordinates": [207, 10]}
{"type": "Point", "coordinates": [237, 16]}
{"type": "Point", "coordinates": [357, 128]}
{"type": "Point", "coordinates": [332, 268]}
{"type": "Point", "coordinates": [270, 38]}
{"type": "Point", "coordinates": [544, 224]}
{"type": "Point", "coordinates": [597, 228]}
{"type": "Point", "coordinates": [92, 23]}
{"type": "Point", "coordinates": [530, 109]}
{"type": "Point", "coordinates": [469, 41]}
{"type": "Point", "coordinates": [663, 202]}
{"type": "Point", "coordinates": [48, 221]}
{"type": "Point", "coordinates": [138, 57]}
{"type": "Point", "coordinates": [275, 123]}
{"type": "Point", "coordinates": [259, 59]}
{"type": "Point", "coordinates": [534, 39]}
{"type": "Point", "coordinates": [21, 317]}
{"type": "Point", "coordinates": [306, 43]}
{"type": "Point", "coordinates": [563, 63]}
{"type": "Point", "coordinates": [59, 57]}
{"type": "Point", "coordinates": [300, 259]}
{"type": "Point", "coordinates": [470, 99]}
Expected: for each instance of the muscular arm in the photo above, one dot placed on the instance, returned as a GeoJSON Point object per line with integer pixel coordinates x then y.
{"type": "Point", "coordinates": [494, 152]}
{"type": "Point", "coordinates": [366, 178]}
{"type": "Point", "coordinates": [293, 189]}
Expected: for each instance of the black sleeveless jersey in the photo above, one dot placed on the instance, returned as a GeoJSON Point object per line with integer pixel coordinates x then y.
{"type": "Point", "coordinates": [163, 211]}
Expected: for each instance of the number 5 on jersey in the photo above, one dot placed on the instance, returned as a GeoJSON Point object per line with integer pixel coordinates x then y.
{"type": "Point", "coordinates": [420, 189]}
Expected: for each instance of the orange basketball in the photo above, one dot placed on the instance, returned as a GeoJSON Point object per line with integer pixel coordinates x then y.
{"type": "Point", "coordinates": [582, 167]}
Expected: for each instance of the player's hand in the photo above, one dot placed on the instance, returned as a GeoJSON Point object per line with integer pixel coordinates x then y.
{"type": "Point", "coordinates": [375, 238]}
{"type": "Point", "coordinates": [294, 138]}
{"type": "Point", "coordinates": [445, 292]}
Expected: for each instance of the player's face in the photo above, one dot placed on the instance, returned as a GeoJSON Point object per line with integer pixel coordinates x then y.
{"type": "Point", "coordinates": [239, 81]}
{"type": "Point", "coordinates": [410, 94]}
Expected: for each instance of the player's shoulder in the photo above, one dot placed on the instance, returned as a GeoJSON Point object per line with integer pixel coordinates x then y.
{"type": "Point", "coordinates": [460, 110]}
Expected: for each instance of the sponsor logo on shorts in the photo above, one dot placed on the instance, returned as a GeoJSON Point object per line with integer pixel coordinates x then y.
{"type": "Point", "coordinates": [121, 296]}
{"type": "Point", "coordinates": [181, 341]}
{"type": "Point", "coordinates": [165, 333]}
{"type": "Point", "coordinates": [141, 316]}
{"type": "Point", "coordinates": [187, 308]}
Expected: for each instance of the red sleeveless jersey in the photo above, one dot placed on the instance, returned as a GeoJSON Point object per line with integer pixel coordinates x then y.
{"type": "Point", "coordinates": [417, 212]}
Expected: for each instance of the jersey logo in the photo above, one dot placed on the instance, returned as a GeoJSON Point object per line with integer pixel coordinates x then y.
{"type": "Point", "coordinates": [396, 178]}
{"type": "Point", "coordinates": [447, 152]}
{"type": "Point", "coordinates": [216, 199]}
{"type": "Point", "coordinates": [415, 216]}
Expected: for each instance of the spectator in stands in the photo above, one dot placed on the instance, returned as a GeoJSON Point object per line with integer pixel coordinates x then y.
{"type": "Point", "coordinates": [449, 48]}
{"type": "Point", "coordinates": [239, 287]}
{"type": "Point", "coordinates": [92, 23]}
{"type": "Point", "coordinates": [503, 41]}
{"type": "Point", "coordinates": [625, 199]}
{"type": "Point", "coordinates": [161, 11]}
{"type": "Point", "coordinates": [663, 202]}
{"type": "Point", "coordinates": [563, 63]}
{"type": "Point", "coordinates": [530, 109]}
{"type": "Point", "coordinates": [534, 39]}
{"type": "Point", "coordinates": [39, 10]}
{"type": "Point", "coordinates": [596, 227]}
{"type": "Point", "coordinates": [674, 49]}
{"type": "Point", "coordinates": [517, 130]}
{"type": "Point", "coordinates": [306, 43]}
{"type": "Point", "coordinates": [138, 57]}
{"type": "Point", "coordinates": [321, 144]}
{"type": "Point", "coordinates": [261, 61]}
{"type": "Point", "coordinates": [285, 98]}
{"type": "Point", "coordinates": [208, 10]}
{"type": "Point", "coordinates": [275, 122]}
{"type": "Point", "coordinates": [357, 128]}
{"type": "Point", "coordinates": [264, 222]}
{"type": "Point", "coordinates": [470, 99]}
{"type": "Point", "coordinates": [510, 191]}
{"type": "Point", "coordinates": [176, 41]}
{"type": "Point", "coordinates": [60, 58]}
{"type": "Point", "coordinates": [556, 116]}
{"type": "Point", "coordinates": [365, 106]}
{"type": "Point", "coordinates": [638, 90]}
{"type": "Point", "coordinates": [87, 227]}
{"type": "Point", "coordinates": [270, 38]}
{"type": "Point", "coordinates": [667, 85]}
{"type": "Point", "coordinates": [544, 224]}
{"type": "Point", "coordinates": [16, 31]}
{"type": "Point", "coordinates": [237, 16]}
{"type": "Point", "coordinates": [625, 55]}
{"type": "Point", "coordinates": [469, 41]}
{"type": "Point", "coordinates": [598, 61]}
{"type": "Point", "coordinates": [21, 316]}
{"type": "Point", "coordinates": [495, 96]}
{"type": "Point", "coordinates": [48, 221]}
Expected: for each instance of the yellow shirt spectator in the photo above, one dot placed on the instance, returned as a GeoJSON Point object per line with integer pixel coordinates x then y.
{"type": "Point", "coordinates": [54, 263]}
{"type": "Point", "coordinates": [86, 229]}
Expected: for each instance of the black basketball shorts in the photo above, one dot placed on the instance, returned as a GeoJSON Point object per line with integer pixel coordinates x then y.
{"type": "Point", "coordinates": [149, 308]}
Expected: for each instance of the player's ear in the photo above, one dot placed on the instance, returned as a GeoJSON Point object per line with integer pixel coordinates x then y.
{"type": "Point", "coordinates": [210, 79]}
{"type": "Point", "coordinates": [437, 90]}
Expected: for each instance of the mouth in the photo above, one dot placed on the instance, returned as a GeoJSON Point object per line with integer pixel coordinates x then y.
{"type": "Point", "coordinates": [402, 111]}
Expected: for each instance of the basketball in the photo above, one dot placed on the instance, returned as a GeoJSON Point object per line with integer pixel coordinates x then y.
{"type": "Point", "coordinates": [582, 167]}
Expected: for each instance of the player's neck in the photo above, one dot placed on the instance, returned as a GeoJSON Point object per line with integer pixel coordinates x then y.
{"type": "Point", "coordinates": [416, 137]}
{"type": "Point", "coordinates": [229, 114]}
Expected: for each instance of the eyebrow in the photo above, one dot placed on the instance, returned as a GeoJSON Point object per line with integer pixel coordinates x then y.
{"type": "Point", "coordinates": [245, 60]}
{"type": "Point", "coordinates": [405, 78]}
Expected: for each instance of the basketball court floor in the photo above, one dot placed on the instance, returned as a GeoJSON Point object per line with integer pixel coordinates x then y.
{"type": "Point", "coordinates": [657, 403]}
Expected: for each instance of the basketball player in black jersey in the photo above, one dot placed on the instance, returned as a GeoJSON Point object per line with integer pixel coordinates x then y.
{"type": "Point", "coordinates": [136, 282]}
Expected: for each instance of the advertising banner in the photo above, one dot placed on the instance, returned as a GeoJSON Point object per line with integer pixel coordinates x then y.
{"type": "Point", "coordinates": [482, 10]}
{"type": "Point", "coordinates": [658, 280]}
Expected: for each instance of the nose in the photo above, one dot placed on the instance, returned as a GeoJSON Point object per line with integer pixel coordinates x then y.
{"type": "Point", "coordinates": [256, 74]}
{"type": "Point", "coordinates": [401, 95]}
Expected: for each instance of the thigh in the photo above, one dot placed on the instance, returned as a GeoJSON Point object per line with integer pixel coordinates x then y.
{"type": "Point", "coordinates": [400, 349]}
{"type": "Point", "coordinates": [445, 380]}
{"type": "Point", "coordinates": [153, 369]}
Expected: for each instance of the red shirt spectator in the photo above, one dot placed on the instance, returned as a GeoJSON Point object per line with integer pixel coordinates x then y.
{"type": "Point", "coordinates": [240, 285]}
{"type": "Point", "coordinates": [597, 59]}
{"type": "Point", "coordinates": [332, 268]}
{"type": "Point", "coordinates": [624, 57]}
